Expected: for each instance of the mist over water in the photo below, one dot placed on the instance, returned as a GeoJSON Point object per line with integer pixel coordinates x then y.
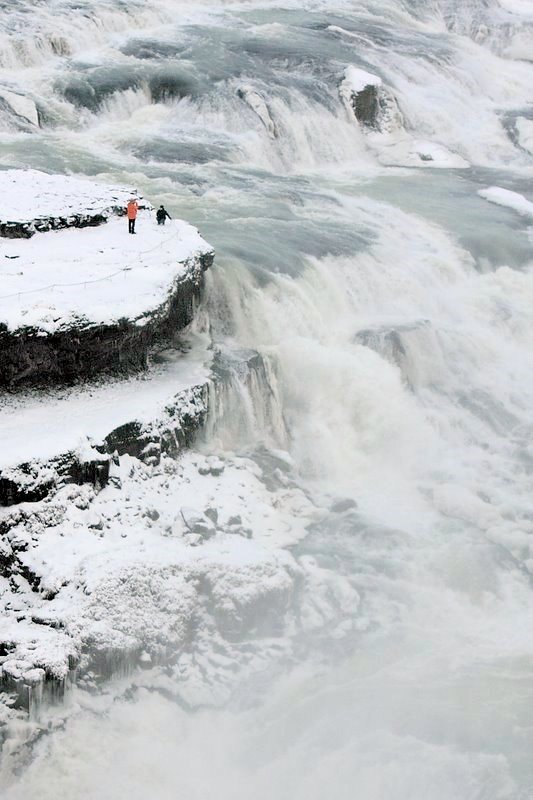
{"type": "Point", "coordinates": [394, 309]}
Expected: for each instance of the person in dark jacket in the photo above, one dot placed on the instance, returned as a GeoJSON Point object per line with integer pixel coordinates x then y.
{"type": "Point", "coordinates": [161, 215]}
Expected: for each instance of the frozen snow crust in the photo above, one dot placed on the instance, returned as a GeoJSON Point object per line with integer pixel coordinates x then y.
{"type": "Point", "coordinates": [76, 302]}
{"type": "Point", "coordinates": [178, 565]}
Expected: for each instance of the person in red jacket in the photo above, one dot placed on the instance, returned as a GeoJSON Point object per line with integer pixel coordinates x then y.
{"type": "Point", "coordinates": [131, 211]}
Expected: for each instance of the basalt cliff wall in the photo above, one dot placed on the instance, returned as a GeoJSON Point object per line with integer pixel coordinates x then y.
{"type": "Point", "coordinates": [83, 350]}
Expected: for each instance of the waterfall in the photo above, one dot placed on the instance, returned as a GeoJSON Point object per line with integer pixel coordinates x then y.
{"type": "Point", "coordinates": [371, 318]}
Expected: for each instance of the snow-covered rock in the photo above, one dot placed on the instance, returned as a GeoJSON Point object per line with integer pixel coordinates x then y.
{"type": "Point", "coordinates": [32, 201]}
{"type": "Point", "coordinates": [373, 104]}
{"type": "Point", "coordinates": [212, 466]}
{"type": "Point", "coordinates": [146, 416]}
{"type": "Point", "coordinates": [197, 522]}
{"type": "Point", "coordinates": [399, 148]}
{"type": "Point", "coordinates": [97, 583]}
{"type": "Point", "coordinates": [258, 104]}
{"type": "Point", "coordinates": [376, 109]}
{"type": "Point", "coordinates": [97, 276]}
{"type": "Point", "coordinates": [356, 79]}
{"type": "Point", "coordinates": [504, 197]}
{"type": "Point", "coordinates": [81, 301]}
{"type": "Point", "coordinates": [21, 106]}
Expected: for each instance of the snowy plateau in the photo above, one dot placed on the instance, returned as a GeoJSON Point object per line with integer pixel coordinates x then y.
{"type": "Point", "coordinates": [120, 550]}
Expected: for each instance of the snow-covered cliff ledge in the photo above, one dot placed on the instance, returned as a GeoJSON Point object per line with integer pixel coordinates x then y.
{"type": "Point", "coordinates": [73, 436]}
{"type": "Point", "coordinates": [32, 201]}
{"type": "Point", "coordinates": [89, 297]}
{"type": "Point", "coordinates": [119, 550]}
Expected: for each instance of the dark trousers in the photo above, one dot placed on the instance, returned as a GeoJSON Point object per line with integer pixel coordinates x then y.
{"type": "Point", "coordinates": [161, 220]}
{"type": "Point", "coordinates": [131, 225]}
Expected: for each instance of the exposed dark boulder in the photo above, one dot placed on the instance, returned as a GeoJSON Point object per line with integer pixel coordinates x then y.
{"type": "Point", "coordinates": [366, 106]}
{"type": "Point", "coordinates": [373, 104]}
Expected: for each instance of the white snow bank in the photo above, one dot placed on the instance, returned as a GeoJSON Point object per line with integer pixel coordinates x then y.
{"type": "Point", "coordinates": [436, 155]}
{"type": "Point", "coordinates": [27, 195]}
{"type": "Point", "coordinates": [521, 7]}
{"type": "Point", "coordinates": [39, 427]}
{"type": "Point", "coordinates": [358, 79]}
{"type": "Point", "coordinates": [399, 149]}
{"type": "Point", "coordinates": [93, 275]}
{"type": "Point", "coordinates": [504, 197]}
{"type": "Point", "coordinates": [525, 133]}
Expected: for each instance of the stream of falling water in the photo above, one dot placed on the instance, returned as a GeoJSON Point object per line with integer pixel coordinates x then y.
{"type": "Point", "coordinates": [394, 308]}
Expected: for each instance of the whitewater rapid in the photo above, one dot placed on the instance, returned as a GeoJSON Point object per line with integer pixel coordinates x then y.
{"type": "Point", "coordinates": [394, 308]}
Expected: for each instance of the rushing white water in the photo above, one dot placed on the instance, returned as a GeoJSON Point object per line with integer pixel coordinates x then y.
{"type": "Point", "coordinates": [394, 308]}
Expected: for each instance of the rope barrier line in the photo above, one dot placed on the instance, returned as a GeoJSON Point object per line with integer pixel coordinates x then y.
{"type": "Point", "coordinates": [64, 285]}
{"type": "Point", "coordinates": [93, 280]}
{"type": "Point", "coordinates": [151, 250]}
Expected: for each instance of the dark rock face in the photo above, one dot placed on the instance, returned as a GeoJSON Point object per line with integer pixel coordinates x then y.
{"type": "Point", "coordinates": [176, 429]}
{"type": "Point", "coordinates": [31, 482]}
{"type": "Point", "coordinates": [25, 230]}
{"type": "Point", "coordinates": [375, 108]}
{"type": "Point", "coordinates": [27, 358]}
{"type": "Point", "coordinates": [366, 106]}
